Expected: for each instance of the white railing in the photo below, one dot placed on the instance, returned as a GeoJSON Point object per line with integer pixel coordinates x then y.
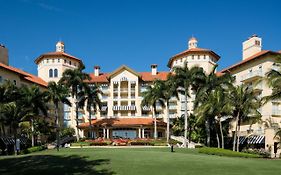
{"type": "Point", "coordinates": [257, 73]}
{"type": "Point", "coordinates": [173, 107]}
{"type": "Point", "coordinates": [276, 112]}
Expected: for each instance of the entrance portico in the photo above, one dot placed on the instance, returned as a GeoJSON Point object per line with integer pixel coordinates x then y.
{"type": "Point", "coordinates": [130, 128]}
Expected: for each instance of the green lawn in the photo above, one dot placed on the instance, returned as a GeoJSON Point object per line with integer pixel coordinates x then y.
{"type": "Point", "coordinates": [154, 161]}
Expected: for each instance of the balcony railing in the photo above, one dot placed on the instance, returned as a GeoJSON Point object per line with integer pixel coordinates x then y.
{"type": "Point", "coordinates": [173, 107]}
{"type": "Point", "coordinates": [252, 76]}
{"type": "Point", "coordinates": [276, 112]}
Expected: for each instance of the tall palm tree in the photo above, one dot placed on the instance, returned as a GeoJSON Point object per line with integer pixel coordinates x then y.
{"type": "Point", "coordinates": [245, 108]}
{"type": "Point", "coordinates": [57, 93]}
{"type": "Point", "coordinates": [151, 97]}
{"type": "Point", "coordinates": [35, 100]}
{"type": "Point", "coordinates": [91, 96]}
{"type": "Point", "coordinates": [210, 83]}
{"type": "Point", "coordinates": [216, 105]}
{"type": "Point", "coordinates": [186, 78]}
{"type": "Point", "coordinates": [167, 90]}
{"type": "Point", "coordinates": [74, 79]}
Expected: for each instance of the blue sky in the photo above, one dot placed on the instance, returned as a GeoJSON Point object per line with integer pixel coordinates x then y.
{"type": "Point", "coordinates": [135, 33]}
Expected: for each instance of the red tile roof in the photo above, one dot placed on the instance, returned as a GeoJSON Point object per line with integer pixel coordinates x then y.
{"type": "Point", "coordinates": [193, 51]}
{"type": "Point", "coordinates": [102, 78]}
{"type": "Point", "coordinates": [251, 58]}
{"type": "Point", "coordinates": [25, 75]}
{"type": "Point", "coordinates": [147, 76]}
{"type": "Point", "coordinates": [55, 54]}
{"type": "Point", "coordinates": [123, 122]}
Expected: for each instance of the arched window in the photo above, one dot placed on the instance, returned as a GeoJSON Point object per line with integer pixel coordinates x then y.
{"type": "Point", "coordinates": [50, 73]}
{"type": "Point", "coordinates": [56, 73]}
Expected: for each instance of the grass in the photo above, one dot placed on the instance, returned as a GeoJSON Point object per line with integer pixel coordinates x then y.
{"type": "Point", "coordinates": [134, 161]}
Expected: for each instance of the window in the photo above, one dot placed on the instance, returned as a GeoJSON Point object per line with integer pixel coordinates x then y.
{"type": "Point", "coordinates": [47, 60]}
{"type": "Point", "coordinates": [56, 73]}
{"type": "Point", "coordinates": [15, 82]}
{"type": "Point", "coordinates": [53, 60]}
{"type": "Point", "coordinates": [69, 62]}
{"type": "Point", "coordinates": [192, 56]}
{"type": "Point", "coordinates": [1, 79]}
{"type": "Point", "coordinates": [58, 60]}
{"type": "Point", "coordinates": [51, 73]}
{"type": "Point", "coordinates": [64, 61]}
{"type": "Point", "coordinates": [198, 57]}
{"type": "Point", "coordinates": [204, 57]}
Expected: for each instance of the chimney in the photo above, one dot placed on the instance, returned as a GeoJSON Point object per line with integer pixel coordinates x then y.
{"type": "Point", "coordinates": [153, 69]}
{"type": "Point", "coordinates": [251, 46]}
{"type": "Point", "coordinates": [4, 58]}
{"type": "Point", "coordinates": [96, 71]}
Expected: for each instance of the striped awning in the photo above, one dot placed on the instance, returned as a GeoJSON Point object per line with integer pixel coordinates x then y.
{"type": "Point", "coordinates": [103, 108]}
{"type": "Point", "coordinates": [146, 108]}
{"type": "Point", "coordinates": [254, 139]}
{"type": "Point", "coordinates": [124, 108]}
{"type": "Point", "coordinates": [124, 79]}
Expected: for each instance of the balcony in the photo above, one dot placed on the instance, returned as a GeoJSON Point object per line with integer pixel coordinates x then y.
{"type": "Point", "coordinates": [276, 112]}
{"type": "Point", "coordinates": [256, 88]}
{"type": "Point", "coordinates": [276, 101]}
{"type": "Point", "coordinates": [124, 90]}
{"type": "Point", "coordinates": [173, 107]}
{"type": "Point", "coordinates": [252, 76]}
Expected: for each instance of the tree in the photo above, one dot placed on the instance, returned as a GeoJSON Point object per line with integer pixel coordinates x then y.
{"type": "Point", "coordinates": [207, 85]}
{"type": "Point", "coordinates": [74, 79]}
{"type": "Point", "coordinates": [151, 97]}
{"type": "Point", "coordinates": [57, 93]}
{"type": "Point", "coordinates": [34, 100]}
{"type": "Point", "coordinates": [215, 106]}
{"type": "Point", "coordinates": [90, 95]}
{"type": "Point", "coordinates": [245, 109]}
{"type": "Point", "coordinates": [185, 79]}
{"type": "Point", "coordinates": [166, 90]}
{"type": "Point", "coordinates": [8, 93]}
{"type": "Point", "coordinates": [15, 114]}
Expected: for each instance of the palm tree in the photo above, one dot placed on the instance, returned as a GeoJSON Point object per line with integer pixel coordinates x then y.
{"type": "Point", "coordinates": [8, 93]}
{"type": "Point", "coordinates": [34, 100]}
{"type": "Point", "coordinates": [151, 97]}
{"type": "Point", "coordinates": [90, 94]}
{"type": "Point", "coordinates": [15, 114]}
{"type": "Point", "coordinates": [245, 109]}
{"type": "Point", "coordinates": [74, 78]}
{"type": "Point", "coordinates": [186, 78]}
{"type": "Point", "coordinates": [216, 105]}
{"type": "Point", "coordinates": [210, 83]}
{"type": "Point", "coordinates": [57, 93]}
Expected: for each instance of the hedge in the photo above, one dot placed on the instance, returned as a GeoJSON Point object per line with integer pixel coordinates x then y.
{"type": "Point", "coordinates": [225, 152]}
{"type": "Point", "coordinates": [33, 149]}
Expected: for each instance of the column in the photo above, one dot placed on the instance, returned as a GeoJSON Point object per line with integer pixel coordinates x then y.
{"type": "Point", "coordinates": [140, 136]}
{"type": "Point", "coordinates": [104, 133]}
{"type": "Point", "coordinates": [142, 132]}
{"type": "Point", "coordinates": [107, 133]}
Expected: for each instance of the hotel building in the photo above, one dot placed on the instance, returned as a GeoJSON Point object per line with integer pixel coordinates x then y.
{"type": "Point", "coordinates": [122, 115]}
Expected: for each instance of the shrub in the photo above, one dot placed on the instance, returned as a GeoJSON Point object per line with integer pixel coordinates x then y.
{"type": "Point", "coordinates": [98, 144]}
{"type": "Point", "coordinates": [140, 142]}
{"type": "Point", "coordinates": [80, 144]}
{"type": "Point", "coordinates": [67, 132]}
{"type": "Point", "coordinates": [33, 149]}
{"type": "Point", "coordinates": [225, 152]}
{"type": "Point", "coordinates": [261, 152]}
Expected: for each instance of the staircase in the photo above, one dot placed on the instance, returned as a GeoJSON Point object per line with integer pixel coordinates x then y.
{"type": "Point", "coordinates": [181, 139]}
{"type": "Point", "coordinates": [65, 140]}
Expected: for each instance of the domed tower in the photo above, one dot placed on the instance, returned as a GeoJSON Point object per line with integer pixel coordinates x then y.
{"type": "Point", "coordinates": [51, 65]}
{"type": "Point", "coordinates": [195, 56]}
